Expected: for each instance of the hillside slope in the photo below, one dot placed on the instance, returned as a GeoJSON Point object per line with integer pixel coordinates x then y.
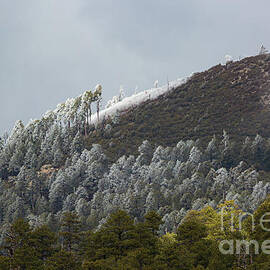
{"type": "Point", "coordinates": [234, 97]}
{"type": "Point", "coordinates": [161, 155]}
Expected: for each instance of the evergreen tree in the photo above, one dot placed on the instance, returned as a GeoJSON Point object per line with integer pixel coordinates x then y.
{"type": "Point", "coordinates": [58, 158]}
{"type": "Point", "coordinates": [153, 221]}
{"type": "Point", "coordinates": [1, 144]}
{"type": "Point", "coordinates": [21, 254]}
{"type": "Point", "coordinates": [98, 98]}
{"type": "Point", "coordinates": [263, 50]}
{"type": "Point", "coordinates": [63, 260]}
{"type": "Point", "coordinates": [192, 233]}
{"type": "Point", "coordinates": [70, 231]}
{"type": "Point", "coordinates": [77, 144]}
{"type": "Point", "coordinates": [114, 240]}
{"type": "Point", "coordinates": [43, 240]}
{"type": "Point", "coordinates": [4, 263]}
{"type": "Point", "coordinates": [260, 233]}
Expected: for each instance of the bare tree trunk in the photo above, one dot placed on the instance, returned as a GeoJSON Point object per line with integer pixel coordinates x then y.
{"type": "Point", "coordinates": [85, 128]}
{"type": "Point", "coordinates": [98, 103]}
{"type": "Point", "coordinates": [90, 111]}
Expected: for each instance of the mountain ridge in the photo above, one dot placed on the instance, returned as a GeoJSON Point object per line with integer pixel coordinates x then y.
{"type": "Point", "coordinates": [233, 97]}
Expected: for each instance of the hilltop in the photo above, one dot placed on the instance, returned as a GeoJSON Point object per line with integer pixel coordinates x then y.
{"type": "Point", "coordinates": [234, 97]}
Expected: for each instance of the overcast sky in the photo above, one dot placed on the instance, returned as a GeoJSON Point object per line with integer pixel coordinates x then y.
{"type": "Point", "coordinates": [54, 49]}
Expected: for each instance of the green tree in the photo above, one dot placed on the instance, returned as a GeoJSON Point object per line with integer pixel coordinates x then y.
{"type": "Point", "coordinates": [192, 233]}
{"type": "Point", "coordinates": [153, 221]}
{"type": "Point", "coordinates": [172, 256]}
{"type": "Point", "coordinates": [260, 233]}
{"type": "Point", "coordinates": [70, 231]}
{"type": "Point", "coordinates": [111, 243]}
{"type": "Point", "coordinates": [21, 254]}
{"type": "Point", "coordinates": [4, 263]}
{"type": "Point", "coordinates": [63, 260]}
{"type": "Point", "coordinates": [117, 234]}
{"type": "Point", "coordinates": [43, 240]}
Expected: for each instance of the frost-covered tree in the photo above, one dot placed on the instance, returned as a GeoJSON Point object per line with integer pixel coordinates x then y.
{"type": "Point", "coordinates": [116, 99]}
{"type": "Point", "coordinates": [58, 192]}
{"type": "Point", "coordinates": [96, 166]}
{"type": "Point", "coordinates": [146, 153]}
{"type": "Point", "coordinates": [60, 112]}
{"type": "Point", "coordinates": [58, 158]}
{"type": "Point", "coordinates": [98, 98]}
{"type": "Point", "coordinates": [229, 151]}
{"type": "Point", "coordinates": [195, 155]}
{"type": "Point", "coordinates": [17, 159]}
{"type": "Point", "coordinates": [258, 147]}
{"type": "Point", "coordinates": [225, 143]}
{"type": "Point", "coordinates": [4, 138]}
{"type": "Point", "coordinates": [212, 150]}
{"type": "Point", "coordinates": [246, 149]}
{"type": "Point", "coordinates": [1, 144]}
{"type": "Point", "coordinates": [77, 144]}
{"type": "Point", "coordinates": [16, 209]}
{"type": "Point", "coordinates": [263, 50]}
{"type": "Point", "coordinates": [72, 107]}
{"type": "Point", "coordinates": [228, 58]}
{"type": "Point", "coordinates": [16, 132]}
{"type": "Point", "coordinates": [87, 99]}
{"type": "Point", "coordinates": [116, 118]}
{"type": "Point", "coordinates": [47, 143]}
{"type": "Point", "coordinates": [121, 93]}
{"type": "Point", "coordinates": [57, 152]}
{"type": "Point", "coordinates": [69, 203]}
{"type": "Point", "coordinates": [30, 156]}
{"type": "Point", "coordinates": [221, 184]}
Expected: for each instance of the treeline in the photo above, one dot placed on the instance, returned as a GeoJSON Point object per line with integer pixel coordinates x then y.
{"type": "Point", "coordinates": [124, 243]}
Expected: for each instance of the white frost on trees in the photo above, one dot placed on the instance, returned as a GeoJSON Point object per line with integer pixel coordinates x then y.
{"type": "Point", "coordinates": [16, 131]}
{"type": "Point", "coordinates": [228, 58]}
{"type": "Point", "coordinates": [115, 105]}
{"type": "Point", "coordinates": [116, 99]}
{"type": "Point", "coordinates": [121, 94]}
{"type": "Point", "coordinates": [195, 155]}
{"type": "Point", "coordinates": [263, 50]}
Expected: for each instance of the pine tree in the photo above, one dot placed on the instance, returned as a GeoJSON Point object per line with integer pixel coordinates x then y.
{"type": "Point", "coordinates": [1, 144]}
{"type": "Point", "coordinates": [16, 132]}
{"type": "Point", "coordinates": [77, 144]}
{"type": "Point", "coordinates": [63, 260]}
{"type": "Point", "coordinates": [58, 158]}
{"type": "Point", "coordinates": [212, 150]}
{"type": "Point", "coordinates": [17, 160]}
{"type": "Point", "coordinates": [58, 191]}
{"type": "Point", "coordinates": [70, 228]}
{"type": "Point", "coordinates": [44, 241]}
{"type": "Point", "coordinates": [4, 263]}
{"type": "Point", "coordinates": [121, 94]}
{"type": "Point", "coordinates": [21, 254]}
{"type": "Point", "coordinates": [191, 234]}
{"type": "Point", "coordinates": [97, 97]}
{"type": "Point", "coordinates": [263, 50]}
{"type": "Point", "coordinates": [260, 233]}
{"type": "Point", "coordinates": [112, 242]}
{"type": "Point", "coordinates": [87, 99]}
{"type": "Point", "coordinates": [153, 221]}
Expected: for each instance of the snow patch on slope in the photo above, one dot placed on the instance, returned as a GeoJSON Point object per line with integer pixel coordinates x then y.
{"type": "Point", "coordinates": [137, 99]}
